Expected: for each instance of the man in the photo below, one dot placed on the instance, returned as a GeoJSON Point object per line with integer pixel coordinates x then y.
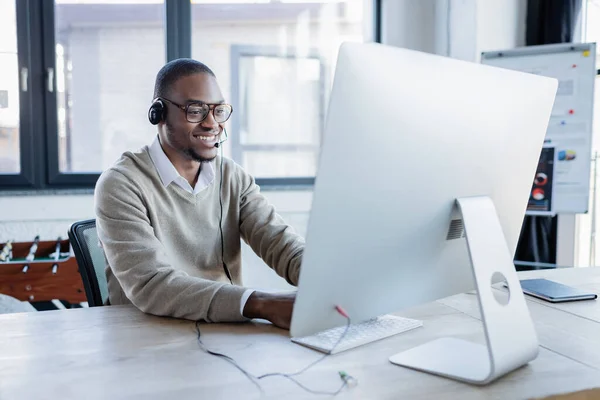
{"type": "Point", "coordinates": [171, 215]}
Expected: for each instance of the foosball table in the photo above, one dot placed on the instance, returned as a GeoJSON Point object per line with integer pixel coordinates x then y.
{"type": "Point", "coordinates": [40, 271]}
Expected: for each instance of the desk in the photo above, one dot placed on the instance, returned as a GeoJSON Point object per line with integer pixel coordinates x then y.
{"type": "Point", "coordinates": [118, 352]}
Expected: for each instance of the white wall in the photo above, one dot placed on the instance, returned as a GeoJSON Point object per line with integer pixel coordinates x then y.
{"type": "Point", "coordinates": [409, 24]}
{"type": "Point", "coordinates": [457, 28]}
{"type": "Point", "coordinates": [500, 24]}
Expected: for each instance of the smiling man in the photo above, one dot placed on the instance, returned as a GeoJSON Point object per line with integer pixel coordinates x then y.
{"type": "Point", "coordinates": [171, 216]}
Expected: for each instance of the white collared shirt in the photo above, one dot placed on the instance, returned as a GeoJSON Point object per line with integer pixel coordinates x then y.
{"type": "Point", "coordinates": [168, 174]}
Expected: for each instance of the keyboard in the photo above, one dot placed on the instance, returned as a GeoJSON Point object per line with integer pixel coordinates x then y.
{"type": "Point", "coordinates": [358, 334]}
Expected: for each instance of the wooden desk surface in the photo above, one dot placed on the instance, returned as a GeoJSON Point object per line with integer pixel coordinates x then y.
{"type": "Point", "coordinates": [119, 352]}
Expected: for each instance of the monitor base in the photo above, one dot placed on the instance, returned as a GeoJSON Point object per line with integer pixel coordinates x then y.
{"type": "Point", "coordinates": [510, 336]}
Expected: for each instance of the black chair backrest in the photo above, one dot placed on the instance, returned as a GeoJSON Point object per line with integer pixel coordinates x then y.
{"type": "Point", "coordinates": [91, 260]}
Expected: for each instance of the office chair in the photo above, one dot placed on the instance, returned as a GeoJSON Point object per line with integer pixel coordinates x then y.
{"type": "Point", "coordinates": [91, 260]}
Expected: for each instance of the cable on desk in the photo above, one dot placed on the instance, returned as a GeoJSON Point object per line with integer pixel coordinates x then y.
{"type": "Point", "coordinates": [347, 379]}
{"type": "Point", "coordinates": [226, 358]}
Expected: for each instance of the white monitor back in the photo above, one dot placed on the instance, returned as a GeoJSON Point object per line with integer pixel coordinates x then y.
{"type": "Point", "coordinates": [407, 133]}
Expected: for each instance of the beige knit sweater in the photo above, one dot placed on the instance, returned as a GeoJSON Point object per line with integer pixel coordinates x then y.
{"type": "Point", "coordinates": [163, 244]}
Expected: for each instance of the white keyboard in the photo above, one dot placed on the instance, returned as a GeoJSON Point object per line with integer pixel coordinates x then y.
{"type": "Point", "coordinates": [358, 334]}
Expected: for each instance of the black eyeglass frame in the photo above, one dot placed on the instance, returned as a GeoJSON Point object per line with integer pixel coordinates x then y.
{"type": "Point", "coordinates": [211, 108]}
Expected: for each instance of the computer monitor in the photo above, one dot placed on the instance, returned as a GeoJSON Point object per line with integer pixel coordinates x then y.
{"type": "Point", "coordinates": [407, 135]}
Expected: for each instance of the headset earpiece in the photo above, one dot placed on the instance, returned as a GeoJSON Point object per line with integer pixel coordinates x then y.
{"type": "Point", "coordinates": [157, 112]}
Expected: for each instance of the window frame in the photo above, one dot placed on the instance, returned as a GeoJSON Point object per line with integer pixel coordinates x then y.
{"type": "Point", "coordinates": [237, 148]}
{"type": "Point", "coordinates": [54, 177]}
{"type": "Point", "coordinates": [26, 176]}
{"type": "Point", "coordinates": [38, 128]}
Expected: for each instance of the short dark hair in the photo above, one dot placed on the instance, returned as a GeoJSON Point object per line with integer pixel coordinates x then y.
{"type": "Point", "coordinates": [176, 69]}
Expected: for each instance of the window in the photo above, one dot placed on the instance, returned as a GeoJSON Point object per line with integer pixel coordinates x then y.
{"type": "Point", "coordinates": [76, 80]}
{"type": "Point", "coordinates": [107, 56]}
{"type": "Point", "coordinates": [280, 102]}
{"type": "Point", "coordinates": [10, 161]}
{"type": "Point", "coordinates": [275, 62]}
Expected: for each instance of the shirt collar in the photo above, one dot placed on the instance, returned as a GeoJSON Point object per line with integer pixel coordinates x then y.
{"type": "Point", "coordinates": [168, 174]}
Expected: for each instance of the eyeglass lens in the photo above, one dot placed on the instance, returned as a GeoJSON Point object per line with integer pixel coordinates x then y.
{"type": "Point", "coordinates": [198, 112]}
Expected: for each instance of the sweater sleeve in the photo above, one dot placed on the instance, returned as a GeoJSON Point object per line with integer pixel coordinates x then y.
{"type": "Point", "coordinates": [267, 233]}
{"type": "Point", "coordinates": [142, 267]}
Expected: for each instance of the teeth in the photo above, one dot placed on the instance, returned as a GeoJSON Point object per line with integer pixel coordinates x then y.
{"type": "Point", "coordinates": [205, 137]}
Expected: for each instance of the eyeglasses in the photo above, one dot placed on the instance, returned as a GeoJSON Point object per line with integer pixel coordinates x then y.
{"type": "Point", "coordinates": [197, 112]}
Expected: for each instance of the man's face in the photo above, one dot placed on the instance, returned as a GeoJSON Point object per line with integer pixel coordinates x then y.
{"type": "Point", "coordinates": [194, 141]}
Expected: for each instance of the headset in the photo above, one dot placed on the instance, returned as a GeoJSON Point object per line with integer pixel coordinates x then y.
{"type": "Point", "coordinates": [156, 114]}
{"type": "Point", "coordinates": [157, 111]}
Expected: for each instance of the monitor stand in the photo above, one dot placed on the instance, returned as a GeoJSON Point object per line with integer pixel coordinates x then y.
{"type": "Point", "coordinates": [510, 337]}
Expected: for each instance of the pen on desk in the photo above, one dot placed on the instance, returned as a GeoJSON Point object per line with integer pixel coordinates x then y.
{"type": "Point", "coordinates": [56, 255]}
{"type": "Point", "coordinates": [6, 250]}
{"type": "Point", "coordinates": [33, 249]}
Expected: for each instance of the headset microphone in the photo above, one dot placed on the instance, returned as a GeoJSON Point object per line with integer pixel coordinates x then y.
{"type": "Point", "coordinates": [219, 143]}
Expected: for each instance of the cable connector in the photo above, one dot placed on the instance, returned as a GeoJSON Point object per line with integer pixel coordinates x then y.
{"type": "Point", "coordinates": [348, 379]}
{"type": "Point", "coordinates": [342, 312]}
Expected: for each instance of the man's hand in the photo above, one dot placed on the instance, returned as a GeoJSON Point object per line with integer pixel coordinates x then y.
{"type": "Point", "coordinates": [276, 308]}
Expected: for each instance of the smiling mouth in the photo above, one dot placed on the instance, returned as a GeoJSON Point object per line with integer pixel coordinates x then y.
{"type": "Point", "coordinates": [207, 138]}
